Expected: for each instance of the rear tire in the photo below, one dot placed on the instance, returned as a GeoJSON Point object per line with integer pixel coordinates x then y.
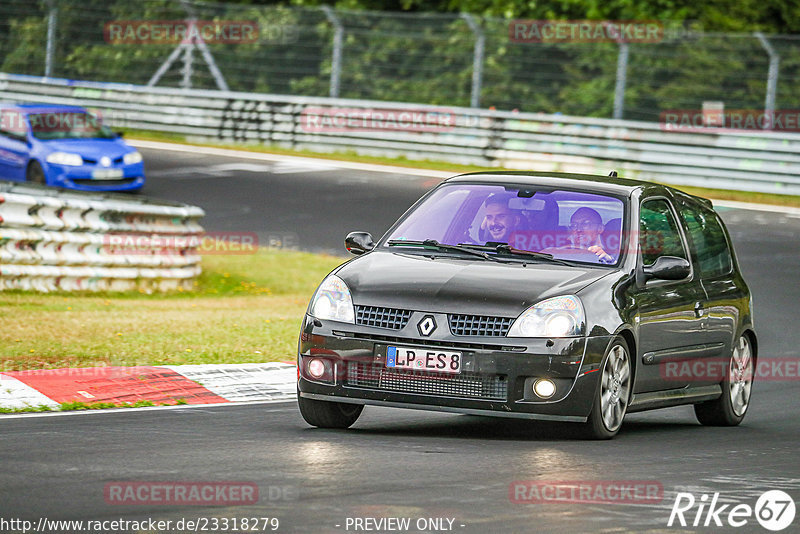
{"type": "Point", "coordinates": [327, 414]}
{"type": "Point", "coordinates": [613, 393]}
{"type": "Point", "coordinates": [35, 174]}
{"type": "Point", "coordinates": [731, 407]}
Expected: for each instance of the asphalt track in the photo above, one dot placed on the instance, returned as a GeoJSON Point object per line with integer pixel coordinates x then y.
{"type": "Point", "coordinates": [396, 463]}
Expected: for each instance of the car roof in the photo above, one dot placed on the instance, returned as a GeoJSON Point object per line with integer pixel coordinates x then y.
{"type": "Point", "coordinates": [589, 182]}
{"type": "Point", "coordinates": [42, 108]}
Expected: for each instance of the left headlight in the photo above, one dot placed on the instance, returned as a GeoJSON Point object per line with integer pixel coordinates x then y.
{"type": "Point", "coordinates": [65, 158]}
{"type": "Point", "coordinates": [555, 317]}
{"type": "Point", "coordinates": [333, 301]}
{"type": "Point", "coordinates": [132, 157]}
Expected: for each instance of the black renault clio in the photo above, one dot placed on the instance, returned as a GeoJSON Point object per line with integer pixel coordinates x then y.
{"type": "Point", "coordinates": [547, 296]}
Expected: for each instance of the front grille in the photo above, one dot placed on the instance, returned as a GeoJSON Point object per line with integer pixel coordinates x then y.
{"type": "Point", "coordinates": [382, 317]}
{"type": "Point", "coordinates": [479, 325]}
{"type": "Point", "coordinates": [465, 385]}
{"type": "Point", "coordinates": [458, 345]}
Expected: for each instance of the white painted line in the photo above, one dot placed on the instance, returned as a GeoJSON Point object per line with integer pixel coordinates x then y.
{"type": "Point", "coordinates": [302, 160]}
{"type": "Point", "coordinates": [296, 160]}
{"type": "Point", "coordinates": [788, 210]}
{"type": "Point", "coordinates": [16, 394]}
{"type": "Point", "coordinates": [3, 417]}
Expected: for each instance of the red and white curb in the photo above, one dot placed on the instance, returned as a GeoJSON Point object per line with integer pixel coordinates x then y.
{"type": "Point", "coordinates": [192, 384]}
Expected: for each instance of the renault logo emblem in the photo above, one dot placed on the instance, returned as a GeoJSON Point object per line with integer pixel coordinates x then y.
{"type": "Point", "coordinates": [105, 161]}
{"type": "Point", "coordinates": [426, 326]}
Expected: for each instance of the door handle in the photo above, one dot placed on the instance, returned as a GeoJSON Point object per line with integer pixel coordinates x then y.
{"type": "Point", "coordinates": [698, 309]}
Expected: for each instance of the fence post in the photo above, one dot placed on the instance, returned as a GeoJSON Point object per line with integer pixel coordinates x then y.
{"type": "Point", "coordinates": [772, 81]}
{"type": "Point", "coordinates": [188, 67]}
{"type": "Point", "coordinates": [51, 39]}
{"type": "Point", "coordinates": [477, 59]}
{"type": "Point", "coordinates": [622, 78]}
{"type": "Point", "coordinates": [338, 43]}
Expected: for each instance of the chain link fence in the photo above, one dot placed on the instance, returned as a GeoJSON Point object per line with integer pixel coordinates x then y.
{"type": "Point", "coordinates": [437, 59]}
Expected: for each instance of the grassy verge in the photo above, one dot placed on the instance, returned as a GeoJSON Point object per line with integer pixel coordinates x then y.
{"type": "Point", "coordinates": [245, 308]}
{"type": "Point", "coordinates": [718, 194]}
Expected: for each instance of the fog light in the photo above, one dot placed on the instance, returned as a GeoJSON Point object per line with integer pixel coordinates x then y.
{"type": "Point", "coordinates": [316, 368]}
{"type": "Point", "coordinates": [544, 388]}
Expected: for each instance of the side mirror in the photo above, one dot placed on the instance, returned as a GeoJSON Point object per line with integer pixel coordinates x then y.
{"type": "Point", "coordinates": [667, 268]}
{"type": "Point", "coordinates": [119, 134]}
{"type": "Point", "coordinates": [359, 242]}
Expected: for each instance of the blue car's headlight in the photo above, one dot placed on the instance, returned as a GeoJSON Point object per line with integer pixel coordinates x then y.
{"type": "Point", "coordinates": [65, 158]}
{"type": "Point", "coordinates": [555, 317]}
{"type": "Point", "coordinates": [132, 157]}
{"type": "Point", "coordinates": [333, 301]}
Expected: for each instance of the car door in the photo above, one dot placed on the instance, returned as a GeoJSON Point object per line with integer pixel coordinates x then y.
{"type": "Point", "coordinates": [711, 246]}
{"type": "Point", "coordinates": [14, 148]}
{"type": "Point", "coordinates": [670, 329]}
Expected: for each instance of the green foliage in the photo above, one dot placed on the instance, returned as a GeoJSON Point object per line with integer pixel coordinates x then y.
{"type": "Point", "coordinates": [415, 51]}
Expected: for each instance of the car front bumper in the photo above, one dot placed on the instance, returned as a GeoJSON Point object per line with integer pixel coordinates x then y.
{"type": "Point", "coordinates": [496, 377]}
{"type": "Point", "coordinates": [81, 178]}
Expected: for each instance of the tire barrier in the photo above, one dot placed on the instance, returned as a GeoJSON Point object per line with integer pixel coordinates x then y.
{"type": "Point", "coordinates": [53, 240]}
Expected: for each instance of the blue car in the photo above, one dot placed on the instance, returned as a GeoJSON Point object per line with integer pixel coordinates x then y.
{"type": "Point", "coordinates": [65, 146]}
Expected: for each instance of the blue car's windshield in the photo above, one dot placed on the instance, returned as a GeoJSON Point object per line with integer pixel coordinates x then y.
{"type": "Point", "coordinates": [68, 125]}
{"type": "Point", "coordinates": [569, 225]}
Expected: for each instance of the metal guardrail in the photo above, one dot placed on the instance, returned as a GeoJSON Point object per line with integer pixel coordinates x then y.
{"type": "Point", "coordinates": [737, 160]}
{"type": "Point", "coordinates": [53, 240]}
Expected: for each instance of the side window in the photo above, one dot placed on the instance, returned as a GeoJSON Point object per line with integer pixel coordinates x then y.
{"type": "Point", "coordinates": [12, 123]}
{"type": "Point", "coordinates": [658, 232]}
{"type": "Point", "coordinates": [708, 240]}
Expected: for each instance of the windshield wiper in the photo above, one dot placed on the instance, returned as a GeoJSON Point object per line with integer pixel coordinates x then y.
{"type": "Point", "coordinates": [435, 245]}
{"type": "Point", "coordinates": [506, 249]}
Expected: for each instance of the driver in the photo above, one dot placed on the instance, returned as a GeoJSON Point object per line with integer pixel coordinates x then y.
{"type": "Point", "coordinates": [499, 222]}
{"type": "Point", "coordinates": [585, 228]}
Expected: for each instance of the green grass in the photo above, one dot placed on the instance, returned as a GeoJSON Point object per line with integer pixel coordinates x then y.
{"type": "Point", "coordinates": [718, 194]}
{"type": "Point", "coordinates": [245, 308]}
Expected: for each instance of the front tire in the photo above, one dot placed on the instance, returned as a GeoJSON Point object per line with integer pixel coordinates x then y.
{"type": "Point", "coordinates": [613, 393]}
{"type": "Point", "coordinates": [327, 414]}
{"type": "Point", "coordinates": [35, 174]}
{"type": "Point", "coordinates": [731, 407]}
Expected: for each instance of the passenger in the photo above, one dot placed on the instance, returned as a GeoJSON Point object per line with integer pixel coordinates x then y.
{"type": "Point", "coordinates": [499, 222]}
{"type": "Point", "coordinates": [585, 228]}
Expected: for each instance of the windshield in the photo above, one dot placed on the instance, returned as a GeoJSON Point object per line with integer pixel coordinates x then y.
{"type": "Point", "coordinates": [569, 225]}
{"type": "Point", "coordinates": [68, 125]}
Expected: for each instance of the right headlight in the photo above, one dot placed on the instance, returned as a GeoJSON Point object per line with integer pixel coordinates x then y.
{"type": "Point", "coordinates": [555, 317]}
{"type": "Point", "coordinates": [132, 157]}
{"type": "Point", "coordinates": [333, 301]}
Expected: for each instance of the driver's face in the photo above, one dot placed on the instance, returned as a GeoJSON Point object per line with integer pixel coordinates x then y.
{"type": "Point", "coordinates": [499, 222]}
{"type": "Point", "coordinates": [585, 230]}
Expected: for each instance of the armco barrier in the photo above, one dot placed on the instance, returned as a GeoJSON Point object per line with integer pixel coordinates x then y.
{"type": "Point", "coordinates": [745, 160]}
{"type": "Point", "coordinates": [54, 240]}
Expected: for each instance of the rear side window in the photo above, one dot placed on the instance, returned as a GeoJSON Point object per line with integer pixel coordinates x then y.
{"type": "Point", "coordinates": [708, 239]}
{"type": "Point", "coordinates": [658, 232]}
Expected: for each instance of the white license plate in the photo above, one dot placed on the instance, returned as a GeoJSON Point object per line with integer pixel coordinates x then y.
{"type": "Point", "coordinates": [421, 359]}
{"type": "Point", "coordinates": [107, 174]}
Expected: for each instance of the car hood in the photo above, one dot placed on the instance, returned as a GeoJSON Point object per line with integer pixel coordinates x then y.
{"type": "Point", "coordinates": [91, 148]}
{"type": "Point", "coordinates": [447, 284]}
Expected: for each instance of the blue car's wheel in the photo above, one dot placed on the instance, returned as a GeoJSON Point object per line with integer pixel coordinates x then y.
{"type": "Point", "coordinates": [35, 173]}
